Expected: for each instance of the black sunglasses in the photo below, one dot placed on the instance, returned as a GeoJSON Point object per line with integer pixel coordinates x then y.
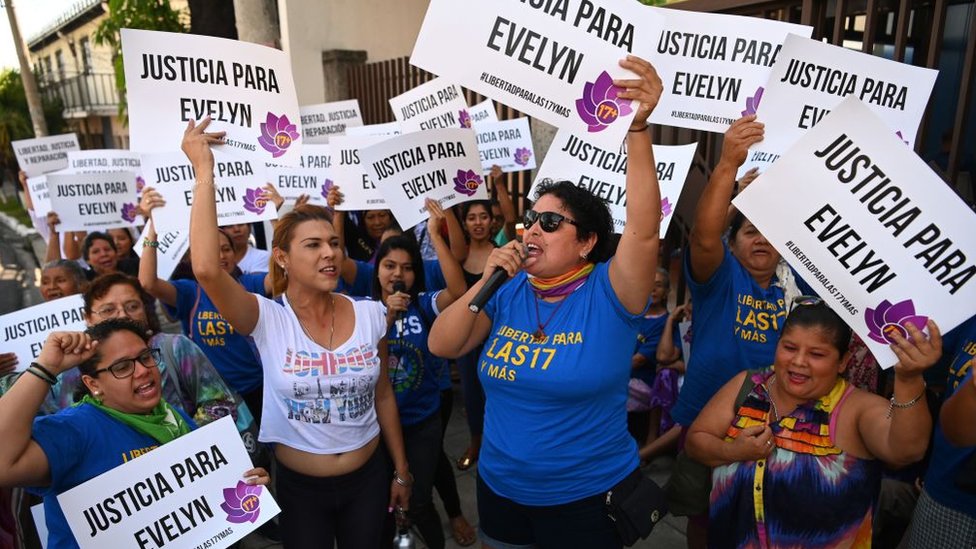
{"type": "Point", "coordinates": [127, 366]}
{"type": "Point", "coordinates": [549, 221]}
{"type": "Point", "coordinates": [806, 301]}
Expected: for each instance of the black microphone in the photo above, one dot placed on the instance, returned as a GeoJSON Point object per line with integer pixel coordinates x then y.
{"type": "Point", "coordinates": [494, 282]}
{"type": "Point", "coordinates": [399, 287]}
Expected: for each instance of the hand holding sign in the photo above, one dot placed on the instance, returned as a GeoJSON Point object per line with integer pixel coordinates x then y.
{"type": "Point", "coordinates": [646, 90]}
{"type": "Point", "coordinates": [742, 134]}
{"type": "Point", "coordinates": [917, 354]}
{"type": "Point", "coordinates": [196, 145]}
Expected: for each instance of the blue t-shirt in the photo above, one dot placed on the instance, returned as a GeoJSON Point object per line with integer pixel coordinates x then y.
{"type": "Point", "coordinates": [737, 325]}
{"type": "Point", "coordinates": [363, 284]}
{"type": "Point", "coordinates": [948, 460]}
{"type": "Point", "coordinates": [555, 412]}
{"type": "Point", "coordinates": [648, 337]}
{"type": "Point", "coordinates": [414, 372]}
{"type": "Point", "coordinates": [232, 354]}
{"type": "Point", "coordinates": [81, 443]}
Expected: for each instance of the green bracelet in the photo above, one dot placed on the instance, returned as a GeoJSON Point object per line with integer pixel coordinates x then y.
{"type": "Point", "coordinates": [150, 243]}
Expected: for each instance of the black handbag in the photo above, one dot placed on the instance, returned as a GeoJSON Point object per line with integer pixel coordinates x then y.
{"type": "Point", "coordinates": [635, 505]}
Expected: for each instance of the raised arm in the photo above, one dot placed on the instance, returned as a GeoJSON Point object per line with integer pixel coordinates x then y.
{"type": "Point", "coordinates": [72, 244]}
{"type": "Point", "coordinates": [235, 304]}
{"type": "Point", "coordinates": [54, 241]}
{"type": "Point", "coordinates": [453, 275]}
{"type": "Point", "coordinates": [958, 413]}
{"type": "Point", "coordinates": [161, 289]}
{"type": "Point", "coordinates": [713, 206]}
{"type": "Point", "coordinates": [899, 435]}
{"type": "Point", "coordinates": [504, 201]}
{"type": "Point", "coordinates": [632, 270]}
{"type": "Point", "coordinates": [455, 234]}
{"type": "Point", "coordinates": [22, 461]}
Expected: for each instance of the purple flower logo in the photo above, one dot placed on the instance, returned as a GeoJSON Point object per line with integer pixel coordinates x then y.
{"type": "Point", "coordinates": [886, 319]}
{"type": "Point", "coordinates": [522, 156]}
{"type": "Point", "coordinates": [326, 188]}
{"type": "Point", "coordinates": [140, 183]}
{"type": "Point", "coordinates": [465, 118]}
{"type": "Point", "coordinates": [752, 103]}
{"type": "Point", "coordinates": [255, 200]}
{"type": "Point", "coordinates": [129, 212]}
{"type": "Point", "coordinates": [277, 134]}
{"type": "Point", "coordinates": [599, 106]}
{"type": "Point", "coordinates": [467, 182]}
{"type": "Point", "coordinates": [242, 503]}
{"type": "Point", "coordinates": [666, 207]}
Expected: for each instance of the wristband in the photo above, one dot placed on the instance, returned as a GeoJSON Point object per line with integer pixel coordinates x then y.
{"type": "Point", "coordinates": [632, 130]}
{"type": "Point", "coordinates": [150, 243]}
{"type": "Point", "coordinates": [401, 481]}
{"type": "Point", "coordinates": [40, 375]}
{"type": "Point", "coordinates": [43, 369]}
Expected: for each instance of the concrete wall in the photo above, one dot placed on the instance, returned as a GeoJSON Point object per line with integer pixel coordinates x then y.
{"type": "Point", "coordinates": [385, 29]}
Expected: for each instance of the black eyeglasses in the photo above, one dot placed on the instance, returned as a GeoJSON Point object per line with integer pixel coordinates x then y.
{"type": "Point", "coordinates": [549, 221]}
{"type": "Point", "coordinates": [124, 368]}
{"type": "Point", "coordinates": [806, 301]}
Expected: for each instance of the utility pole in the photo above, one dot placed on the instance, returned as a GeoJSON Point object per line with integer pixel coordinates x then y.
{"type": "Point", "coordinates": [257, 22]}
{"type": "Point", "coordinates": [30, 83]}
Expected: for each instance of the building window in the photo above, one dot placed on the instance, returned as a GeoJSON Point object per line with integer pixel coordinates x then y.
{"type": "Point", "coordinates": [59, 61]}
{"type": "Point", "coordinates": [86, 56]}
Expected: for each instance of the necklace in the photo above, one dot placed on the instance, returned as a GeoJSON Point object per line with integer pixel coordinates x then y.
{"type": "Point", "coordinates": [331, 325]}
{"type": "Point", "coordinates": [540, 334]}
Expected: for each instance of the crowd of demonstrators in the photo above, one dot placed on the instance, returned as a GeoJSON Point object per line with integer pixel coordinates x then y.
{"type": "Point", "coordinates": [544, 467]}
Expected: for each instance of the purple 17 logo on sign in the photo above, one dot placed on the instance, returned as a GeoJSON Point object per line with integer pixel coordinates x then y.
{"type": "Point", "coordinates": [242, 503]}
{"type": "Point", "coordinates": [255, 200]}
{"type": "Point", "coordinates": [467, 182]}
{"type": "Point", "coordinates": [887, 319]}
{"type": "Point", "coordinates": [599, 107]}
{"type": "Point", "coordinates": [277, 134]}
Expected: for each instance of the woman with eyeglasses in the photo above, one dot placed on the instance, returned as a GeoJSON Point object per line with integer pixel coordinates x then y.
{"type": "Point", "coordinates": [122, 417]}
{"type": "Point", "coordinates": [797, 451]}
{"type": "Point", "coordinates": [558, 339]}
{"type": "Point", "coordinates": [232, 353]}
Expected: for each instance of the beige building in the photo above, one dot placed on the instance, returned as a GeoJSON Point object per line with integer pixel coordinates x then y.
{"type": "Point", "coordinates": [69, 66]}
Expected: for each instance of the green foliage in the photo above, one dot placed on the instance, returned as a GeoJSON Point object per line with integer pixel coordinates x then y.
{"type": "Point", "coordinates": [15, 121]}
{"type": "Point", "coordinates": [154, 15]}
{"type": "Point", "coordinates": [11, 206]}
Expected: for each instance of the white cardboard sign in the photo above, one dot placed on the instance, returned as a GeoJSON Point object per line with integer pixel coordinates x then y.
{"type": "Point", "coordinates": [24, 331]}
{"type": "Point", "coordinates": [434, 104]}
{"type": "Point", "coordinates": [41, 155]}
{"type": "Point", "coordinates": [322, 121]}
{"type": "Point", "coordinates": [439, 164]}
{"type": "Point", "coordinates": [868, 224]}
{"type": "Point", "coordinates": [388, 129]}
{"type": "Point", "coordinates": [104, 160]}
{"type": "Point", "coordinates": [171, 248]}
{"type": "Point", "coordinates": [247, 89]}
{"type": "Point", "coordinates": [483, 112]}
{"type": "Point", "coordinates": [507, 144]}
{"type": "Point", "coordinates": [349, 172]}
{"type": "Point", "coordinates": [239, 190]}
{"type": "Point", "coordinates": [810, 78]}
{"type": "Point", "coordinates": [604, 173]}
{"type": "Point", "coordinates": [554, 61]}
{"type": "Point", "coordinates": [40, 195]}
{"type": "Point", "coordinates": [295, 182]}
{"type": "Point", "coordinates": [714, 66]}
{"type": "Point", "coordinates": [93, 201]}
{"type": "Point", "coordinates": [191, 491]}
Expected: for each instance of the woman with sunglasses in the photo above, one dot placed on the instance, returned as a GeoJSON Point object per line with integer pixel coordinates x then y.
{"type": "Point", "coordinates": [122, 417]}
{"type": "Point", "coordinates": [558, 339]}
{"type": "Point", "coordinates": [798, 427]}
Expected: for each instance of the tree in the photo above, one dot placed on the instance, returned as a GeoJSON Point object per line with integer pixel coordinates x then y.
{"type": "Point", "coordinates": [15, 121]}
{"type": "Point", "coordinates": [154, 15]}
{"type": "Point", "coordinates": [213, 18]}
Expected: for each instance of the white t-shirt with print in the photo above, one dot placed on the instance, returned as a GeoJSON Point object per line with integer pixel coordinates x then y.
{"type": "Point", "coordinates": [316, 400]}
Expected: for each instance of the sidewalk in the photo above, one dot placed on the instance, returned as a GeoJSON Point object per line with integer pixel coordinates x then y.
{"type": "Point", "coordinates": [668, 534]}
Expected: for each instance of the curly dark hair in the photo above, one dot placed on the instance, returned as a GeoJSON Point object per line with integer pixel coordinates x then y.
{"type": "Point", "coordinates": [590, 212]}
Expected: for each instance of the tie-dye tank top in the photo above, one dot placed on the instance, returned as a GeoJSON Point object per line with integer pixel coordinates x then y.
{"type": "Point", "coordinates": [807, 494]}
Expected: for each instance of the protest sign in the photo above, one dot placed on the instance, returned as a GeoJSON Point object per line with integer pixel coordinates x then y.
{"type": "Point", "coordinates": [507, 144]}
{"type": "Point", "coordinates": [554, 61]}
{"type": "Point", "coordinates": [350, 173]}
{"type": "Point", "coordinates": [319, 122]}
{"type": "Point", "coordinates": [388, 129]}
{"type": "Point", "coordinates": [37, 512]}
{"type": "Point", "coordinates": [188, 492]}
{"type": "Point", "coordinates": [295, 182]}
{"type": "Point", "coordinates": [44, 154]}
{"type": "Point", "coordinates": [24, 331]}
{"type": "Point", "coordinates": [247, 89]}
{"type": "Point", "coordinates": [811, 77]}
{"type": "Point", "coordinates": [714, 66]}
{"type": "Point", "coordinates": [483, 112]}
{"type": "Point", "coordinates": [39, 194]}
{"type": "Point", "coordinates": [434, 104]}
{"type": "Point", "coordinates": [239, 185]}
{"type": "Point", "coordinates": [93, 201]}
{"type": "Point", "coordinates": [316, 157]}
{"type": "Point", "coordinates": [604, 173]}
{"type": "Point", "coordinates": [876, 233]}
{"type": "Point", "coordinates": [439, 164]}
{"type": "Point", "coordinates": [103, 160]}
{"type": "Point", "coordinates": [171, 246]}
